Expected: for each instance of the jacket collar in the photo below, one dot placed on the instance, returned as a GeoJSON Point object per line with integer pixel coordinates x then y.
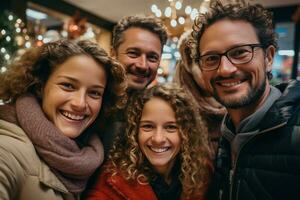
{"type": "Point", "coordinates": [282, 110]}
{"type": "Point", "coordinates": [47, 177]}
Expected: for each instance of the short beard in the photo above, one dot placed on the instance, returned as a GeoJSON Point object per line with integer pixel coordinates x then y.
{"type": "Point", "coordinates": [251, 97]}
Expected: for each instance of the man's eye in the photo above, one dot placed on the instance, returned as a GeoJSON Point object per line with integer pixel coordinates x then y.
{"type": "Point", "coordinates": [153, 58]}
{"type": "Point", "coordinates": [211, 59]}
{"type": "Point", "coordinates": [132, 54]}
{"type": "Point", "coordinates": [239, 53]}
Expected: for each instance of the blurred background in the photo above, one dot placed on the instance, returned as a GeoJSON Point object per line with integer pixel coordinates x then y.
{"type": "Point", "coordinates": [27, 23]}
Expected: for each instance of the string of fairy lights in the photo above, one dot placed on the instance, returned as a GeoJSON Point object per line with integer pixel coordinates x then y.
{"type": "Point", "coordinates": [13, 37]}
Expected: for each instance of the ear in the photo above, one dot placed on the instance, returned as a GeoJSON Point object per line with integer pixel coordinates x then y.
{"type": "Point", "coordinates": [113, 52]}
{"type": "Point", "coordinates": [269, 58]}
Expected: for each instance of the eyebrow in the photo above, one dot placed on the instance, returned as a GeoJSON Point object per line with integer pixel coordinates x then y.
{"type": "Point", "coordinates": [138, 49]}
{"type": "Point", "coordinates": [213, 52]}
{"type": "Point", "coordinates": [77, 81]}
{"type": "Point", "coordinates": [149, 121]}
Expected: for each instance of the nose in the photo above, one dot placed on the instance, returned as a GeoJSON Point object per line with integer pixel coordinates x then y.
{"type": "Point", "coordinates": [142, 62]}
{"type": "Point", "coordinates": [226, 68]}
{"type": "Point", "coordinates": [158, 136]}
{"type": "Point", "coordinates": [78, 102]}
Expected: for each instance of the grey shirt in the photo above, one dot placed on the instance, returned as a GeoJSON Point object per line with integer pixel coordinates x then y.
{"type": "Point", "coordinates": [248, 126]}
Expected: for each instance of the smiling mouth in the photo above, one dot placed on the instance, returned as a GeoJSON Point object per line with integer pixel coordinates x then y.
{"type": "Point", "coordinates": [140, 75]}
{"type": "Point", "coordinates": [73, 116]}
{"type": "Point", "coordinates": [159, 150]}
{"type": "Point", "coordinates": [229, 84]}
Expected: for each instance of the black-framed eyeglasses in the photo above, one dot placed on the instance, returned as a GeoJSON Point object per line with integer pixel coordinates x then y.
{"type": "Point", "coordinates": [237, 55]}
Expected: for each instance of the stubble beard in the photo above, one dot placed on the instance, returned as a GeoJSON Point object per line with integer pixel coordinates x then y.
{"type": "Point", "coordinates": [251, 97]}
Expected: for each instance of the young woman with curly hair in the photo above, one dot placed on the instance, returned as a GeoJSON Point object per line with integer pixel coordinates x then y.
{"type": "Point", "coordinates": [163, 154]}
{"type": "Point", "coordinates": [55, 96]}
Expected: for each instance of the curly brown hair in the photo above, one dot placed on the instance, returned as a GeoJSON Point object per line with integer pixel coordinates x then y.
{"type": "Point", "coordinates": [154, 25]}
{"type": "Point", "coordinates": [195, 154]}
{"type": "Point", "coordinates": [30, 72]}
{"type": "Point", "coordinates": [258, 16]}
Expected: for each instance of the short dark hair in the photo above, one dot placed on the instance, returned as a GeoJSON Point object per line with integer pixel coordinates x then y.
{"type": "Point", "coordinates": [258, 16]}
{"type": "Point", "coordinates": [151, 24]}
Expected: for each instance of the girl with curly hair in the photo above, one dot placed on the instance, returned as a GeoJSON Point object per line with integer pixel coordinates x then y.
{"type": "Point", "coordinates": [55, 96]}
{"type": "Point", "coordinates": [163, 154]}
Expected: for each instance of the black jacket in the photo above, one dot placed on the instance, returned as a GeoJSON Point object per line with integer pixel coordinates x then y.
{"type": "Point", "coordinates": [268, 164]}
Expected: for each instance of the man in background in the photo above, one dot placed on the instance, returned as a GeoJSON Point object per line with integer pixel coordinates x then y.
{"type": "Point", "coordinates": [137, 43]}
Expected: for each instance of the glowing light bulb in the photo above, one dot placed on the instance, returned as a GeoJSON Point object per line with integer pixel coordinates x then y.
{"type": "Point", "coordinates": [181, 20]}
{"type": "Point", "coordinates": [178, 5]}
{"type": "Point", "coordinates": [173, 23]}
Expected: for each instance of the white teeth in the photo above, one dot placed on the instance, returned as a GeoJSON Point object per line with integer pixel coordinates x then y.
{"type": "Point", "coordinates": [159, 150]}
{"type": "Point", "coordinates": [230, 84]}
{"type": "Point", "coordinates": [71, 116]}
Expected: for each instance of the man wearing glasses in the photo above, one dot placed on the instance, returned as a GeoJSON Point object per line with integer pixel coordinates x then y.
{"type": "Point", "coordinates": [259, 152]}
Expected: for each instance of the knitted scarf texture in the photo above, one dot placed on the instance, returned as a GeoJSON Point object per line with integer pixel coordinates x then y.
{"type": "Point", "coordinates": [70, 163]}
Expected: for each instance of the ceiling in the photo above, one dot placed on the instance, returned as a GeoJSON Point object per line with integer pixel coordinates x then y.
{"type": "Point", "coordinates": [113, 10]}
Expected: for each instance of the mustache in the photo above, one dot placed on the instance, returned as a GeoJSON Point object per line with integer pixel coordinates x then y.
{"type": "Point", "coordinates": [241, 76]}
{"type": "Point", "coordinates": [139, 72]}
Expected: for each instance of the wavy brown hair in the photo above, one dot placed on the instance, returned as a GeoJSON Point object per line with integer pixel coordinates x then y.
{"type": "Point", "coordinates": [195, 154]}
{"type": "Point", "coordinates": [152, 24]}
{"type": "Point", "coordinates": [30, 72]}
{"type": "Point", "coordinates": [258, 16]}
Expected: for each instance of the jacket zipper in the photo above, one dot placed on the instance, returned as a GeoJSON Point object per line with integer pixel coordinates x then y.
{"type": "Point", "coordinates": [232, 171]}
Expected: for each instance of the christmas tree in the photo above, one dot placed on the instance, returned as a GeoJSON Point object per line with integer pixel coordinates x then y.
{"type": "Point", "coordinates": [13, 37]}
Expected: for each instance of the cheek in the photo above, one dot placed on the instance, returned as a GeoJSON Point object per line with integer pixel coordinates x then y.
{"type": "Point", "coordinates": [258, 71]}
{"type": "Point", "coordinates": [96, 107]}
{"type": "Point", "coordinates": [141, 138]}
{"type": "Point", "coordinates": [48, 102]}
{"type": "Point", "coordinates": [153, 68]}
{"type": "Point", "coordinates": [207, 77]}
{"type": "Point", "coordinates": [141, 141]}
{"type": "Point", "coordinates": [176, 140]}
{"type": "Point", "coordinates": [125, 60]}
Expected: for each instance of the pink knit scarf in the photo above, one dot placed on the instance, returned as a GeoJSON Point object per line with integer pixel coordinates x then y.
{"type": "Point", "coordinates": [71, 164]}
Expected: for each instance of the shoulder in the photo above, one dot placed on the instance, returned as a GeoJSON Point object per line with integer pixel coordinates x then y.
{"type": "Point", "coordinates": [21, 169]}
{"type": "Point", "coordinates": [17, 147]}
{"type": "Point", "coordinates": [18, 159]}
{"type": "Point", "coordinates": [114, 186]}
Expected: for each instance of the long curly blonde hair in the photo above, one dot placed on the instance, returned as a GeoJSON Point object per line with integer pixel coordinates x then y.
{"type": "Point", "coordinates": [195, 154]}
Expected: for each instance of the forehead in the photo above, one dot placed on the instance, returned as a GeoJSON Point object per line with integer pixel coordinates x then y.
{"type": "Point", "coordinates": [226, 33]}
{"type": "Point", "coordinates": [140, 38]}
{"type": "Point", "coordinates": [158, 109]}
{"type": "Point", "coordinates": [82, 67]}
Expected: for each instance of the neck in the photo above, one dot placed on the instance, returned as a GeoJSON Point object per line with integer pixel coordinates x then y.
{"type": "Point", "coordinates": [237, 115]}
{"type": "Point", "coordinates": [166, 172]}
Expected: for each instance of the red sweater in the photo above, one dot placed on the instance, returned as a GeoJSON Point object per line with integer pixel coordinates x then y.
{"type": "Point", "coordinates": [118, 188]}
